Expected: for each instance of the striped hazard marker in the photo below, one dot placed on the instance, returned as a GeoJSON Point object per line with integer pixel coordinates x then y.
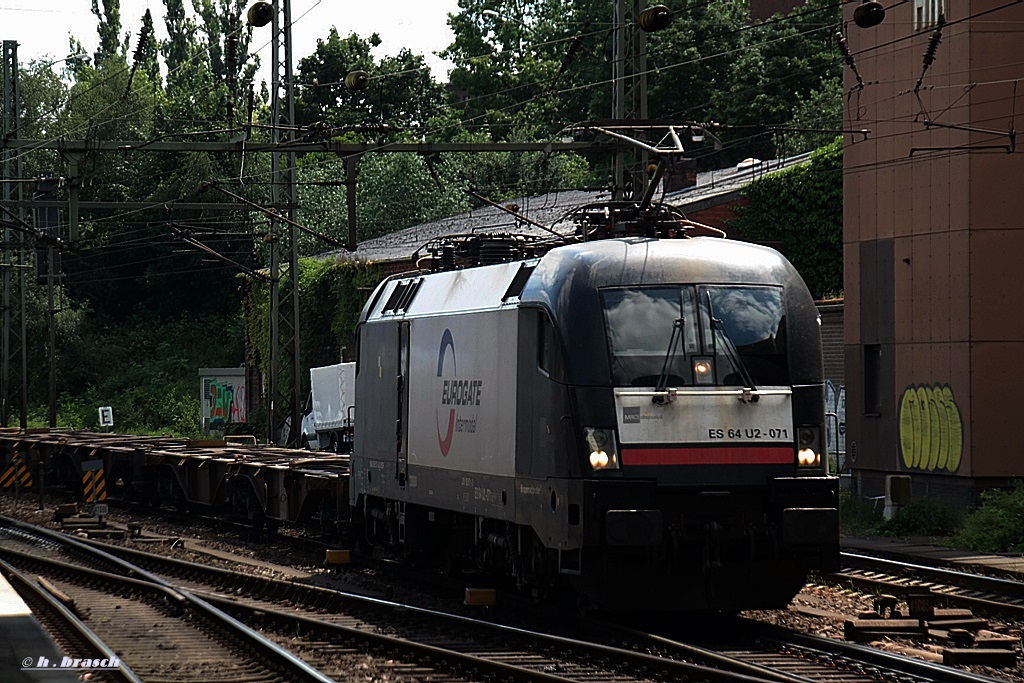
{"type": "Point", "coordinates": [94, 484]}
{"type": "Point", "coordinates": [16, 473]}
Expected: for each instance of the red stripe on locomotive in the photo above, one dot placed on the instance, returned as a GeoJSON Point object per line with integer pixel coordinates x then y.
{"type": "Point", "coordinates": [730, 455]}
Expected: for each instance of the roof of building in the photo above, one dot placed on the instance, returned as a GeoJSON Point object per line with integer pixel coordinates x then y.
{"type": "Point", "coordinates": [712, 188]}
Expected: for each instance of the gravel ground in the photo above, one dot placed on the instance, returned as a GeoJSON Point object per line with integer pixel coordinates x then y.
{"type": "Point", "coordinates": [818, 609]}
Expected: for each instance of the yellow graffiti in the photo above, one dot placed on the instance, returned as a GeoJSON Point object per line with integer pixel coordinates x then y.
{"type": "Point", "coordinates": [931, 429]}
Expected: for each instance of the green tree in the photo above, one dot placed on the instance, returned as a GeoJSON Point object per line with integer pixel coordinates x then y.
{"type": "Point", "coordinates": [322, 95]}
{"type": "Point", "coordinates": [109, 29]}
{"type": "Point", "coordinates": [509, 53]}
{"type": "Point", "coordinates": [693, 58]}
{"type": "Point", "coordinates": [783, 61]}
{"type": "Point", "coordinates": [817, 117]}
{"type": "Point", "coordinates": [400, 91]}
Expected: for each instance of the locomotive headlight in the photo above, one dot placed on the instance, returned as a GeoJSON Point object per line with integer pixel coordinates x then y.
{"type": "Point", "coordinates": [604, 454]}
{"type": "Point", "coordinates": [808, 458]}
{"type": "Point", "coordinates": [703, 371]}
{"type": "Point", "coordinates": [808, 446]}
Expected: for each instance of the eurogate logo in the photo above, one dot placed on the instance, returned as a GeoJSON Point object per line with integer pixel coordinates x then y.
{"type": "Point", "coordinates": [455, 392]}
{"type": "Point", "coordinates": [445, 442]}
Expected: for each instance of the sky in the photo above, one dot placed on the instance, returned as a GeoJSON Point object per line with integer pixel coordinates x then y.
{"type": "Point", "coordinates": [42, 28]}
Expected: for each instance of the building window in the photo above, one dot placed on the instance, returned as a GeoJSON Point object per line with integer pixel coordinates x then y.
{"type": "Point", "coordinates": [872, 379]}
{"type": "Point", "coordinates": [927, 12]}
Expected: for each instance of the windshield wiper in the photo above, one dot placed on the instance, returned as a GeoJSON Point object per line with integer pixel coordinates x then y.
{"type": "Point", "coordinates": [731, 353]}
{"type": "Point", "coordinates": [670, 354]}
{"type": "Point", "coordinates": [719, 332]}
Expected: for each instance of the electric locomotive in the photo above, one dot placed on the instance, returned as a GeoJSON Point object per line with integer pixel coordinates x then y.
{"type": "Point", "coordinates": [639, 417]}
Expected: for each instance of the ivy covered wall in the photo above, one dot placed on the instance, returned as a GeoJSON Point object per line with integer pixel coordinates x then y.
{"type": "Point", "coordinates": [802, 206]}
{"type": "Point", "coordinates": [331, 296]}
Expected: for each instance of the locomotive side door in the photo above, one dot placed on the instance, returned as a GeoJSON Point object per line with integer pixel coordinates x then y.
{"type": "Point", "coordinates": [402, 411]}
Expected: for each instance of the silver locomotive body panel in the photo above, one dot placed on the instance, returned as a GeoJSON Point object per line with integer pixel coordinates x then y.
{"type": "Point", "coordinates": [455, 440]}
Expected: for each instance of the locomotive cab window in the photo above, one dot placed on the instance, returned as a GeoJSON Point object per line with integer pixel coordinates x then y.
{"type": "Point", "coordinates": [745, 329]}
{"type": "Point", "coordinates": [651, 330]}
{"type": "Point", "coordinates": [696, 335]}
{"type": "Point", "coordinates": [549, 353]}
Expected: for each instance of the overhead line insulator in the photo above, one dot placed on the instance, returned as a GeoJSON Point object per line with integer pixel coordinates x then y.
{"type": "Point", "coordinates": [260, 14]}
{"type": "Point", "coordinates": [356, 80]}
{"type": "Point", "coordinates": [655, 18]}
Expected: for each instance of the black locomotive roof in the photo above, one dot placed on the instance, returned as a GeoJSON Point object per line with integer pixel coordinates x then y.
{"type": "Point", "coordinates": [642, 261]}
{"type": "Point", "coordinates": [567, 282]}
{"type": "Point", "coordinates": [568, 279]}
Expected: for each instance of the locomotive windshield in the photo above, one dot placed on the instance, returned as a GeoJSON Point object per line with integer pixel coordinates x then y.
{"type": "Point", "coordinates": [737, 334]}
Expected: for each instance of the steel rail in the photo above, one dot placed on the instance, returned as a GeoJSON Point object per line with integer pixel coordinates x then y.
{"type": "Point", "coordinates": [828, 647]}
{"type": "Point", "coordinates": [990, 594]}
{"type": "Point", "coordinates": [140, 578]}
{"type": "Point", "coordinates": [257, 586]}
{"type": "Point", "coordinates": [69, 620]}
{"type": "Point", "coordinates": [719, 659]}
{"type": "Point", "coordinates": [994, 584]}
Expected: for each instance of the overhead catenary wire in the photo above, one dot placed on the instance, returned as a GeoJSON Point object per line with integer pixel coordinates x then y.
{"type": "Point", "coordinates": [256, 176]}
{"type": "Point", "coordinates": [310, 9]}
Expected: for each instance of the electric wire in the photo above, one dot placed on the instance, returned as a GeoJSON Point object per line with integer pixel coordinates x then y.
{"type": "Point", "coordinates": [593, 84]}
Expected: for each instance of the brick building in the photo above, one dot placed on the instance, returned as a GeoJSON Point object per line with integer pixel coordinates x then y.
{"type": "Point", "coordinates": [763, 9]}
{"type": "Point", "coordinates": [932, 233]}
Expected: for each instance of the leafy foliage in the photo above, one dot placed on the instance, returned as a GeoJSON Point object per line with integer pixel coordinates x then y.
{"type": "Point", "coordinates": [145, 368]}
{"type": "Point", "coordinates": [924, 517]}
{"type": "Point", "coordinates": [400, 91]}
{"type": "Point", "coordinates": [857, 517]}
{"type": "Point", "coordinates": [815, 117]}
{"type": "Point", "coordinates": [919, 517]}
{"type": "Point", "coordinates": [802, 205]}
{"type": "Point", "coordinates": [331, 295]}
{"type": "Point", "coordinates": [523, 70]}
{"type": "Point", "coordinates": [710, 64]}
{"type": "Point", "coordinates": [997, 526]}
{"type": "Point", "coordinates": [781, 63]}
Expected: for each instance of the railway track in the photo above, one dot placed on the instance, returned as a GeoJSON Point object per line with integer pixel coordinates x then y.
{"type": "Point", "coordinates": [989, 594]}
{"type": "Point", "coordinates": [67, 630]}
{"type": "Point", "coordinates": [797, 656]}
{"type": "Point", "coordinates": [159, 632]}
{"type": "Point", "coordinates": [412, 643]}
{"type": "Point", "coordinates": [310, 619]}
{"type": "Point", "coordinates": [415, 638]}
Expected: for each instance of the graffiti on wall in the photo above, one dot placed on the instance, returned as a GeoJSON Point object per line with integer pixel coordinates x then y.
{"type": "Point", "coordinates": [227, 403]}
{"type": "Point", "coordinates": [223, 396]}
{"type": "Point", "coordinates": [931, 429]}
{"type": "Point", "coordinates": [835, 425]}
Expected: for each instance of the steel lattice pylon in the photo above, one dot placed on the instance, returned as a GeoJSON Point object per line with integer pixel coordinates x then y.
{"type": "Point", "coordinates": [14, 379]}
{"type": "Point", "coordinates": [285, 382]}
{"type": "Point", "coordinates": [629, 94]}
